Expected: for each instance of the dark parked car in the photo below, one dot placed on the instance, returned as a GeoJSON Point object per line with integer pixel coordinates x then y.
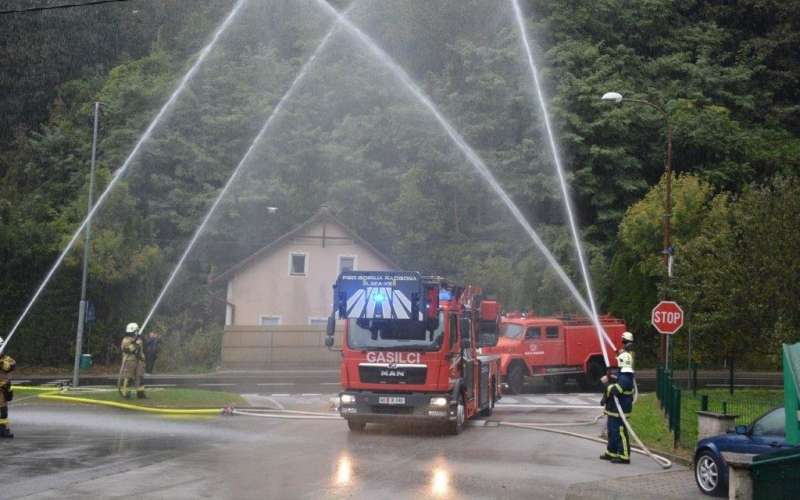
{"type": "Point", "coordinates": [765, 435]}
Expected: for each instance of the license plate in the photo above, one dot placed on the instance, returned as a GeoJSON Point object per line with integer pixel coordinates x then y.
{"type": "Point", "coordinates": [391, 400]}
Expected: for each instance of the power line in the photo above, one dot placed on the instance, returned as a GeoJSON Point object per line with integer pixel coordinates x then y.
{"type": "Point", "coordinates": [60, 6]}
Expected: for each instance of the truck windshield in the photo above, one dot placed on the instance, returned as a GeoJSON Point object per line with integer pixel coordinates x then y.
{"type": "Point", "coordinates": [511, 330]}
{"type": "Point", "coordinates": [382, 334]}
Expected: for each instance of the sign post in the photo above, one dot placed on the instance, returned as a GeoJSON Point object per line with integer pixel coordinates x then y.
{"type": "Point", "coordinates": [667, 318]}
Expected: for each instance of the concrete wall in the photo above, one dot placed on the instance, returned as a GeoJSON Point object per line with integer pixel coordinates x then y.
{"type": "Point", "coordinates": [266, 288]}
{"type": "Point", "coordinates": [264, 347]}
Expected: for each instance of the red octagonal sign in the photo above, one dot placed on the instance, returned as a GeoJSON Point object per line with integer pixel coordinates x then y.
{"type": "Point", "coordinates": [667, 317]}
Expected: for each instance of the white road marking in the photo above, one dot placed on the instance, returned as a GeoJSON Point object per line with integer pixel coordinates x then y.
{"type": "Point", "coordinates": [579, 407]}
{"type": "Point", "coordinates": [330, 383]}
{"type": "Point", "coordinates": [216, 385]}
{"type": "Point", "coordinates": [311, 394]}
{"type": "Point", "coordinates": [265, 384]}
{"type": "Point", "coordinates": [570, 400]}
{"type": "Point", "coordinates": [509, 400]}
{"type": "Point", "coordinates": [280, 395]}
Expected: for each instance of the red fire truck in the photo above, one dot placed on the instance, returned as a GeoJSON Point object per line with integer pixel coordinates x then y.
{"type": "Point", "coordinates": [556, 348]}
{"type": "Point", "coordinates": [411, 349]}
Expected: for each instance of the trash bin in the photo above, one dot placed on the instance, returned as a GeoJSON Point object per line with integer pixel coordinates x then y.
{"type": "Point", "coordinates": [86, 361]}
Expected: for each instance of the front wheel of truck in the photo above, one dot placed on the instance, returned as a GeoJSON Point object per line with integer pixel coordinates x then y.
{"type": "Point", "coordinates": [487, 412]}
{"type": "Point", "coordinates": [516, 378]}
{"type": "Point", "coordinates": [356, 425]}
{"type": "Point", "coordinates": [456, 426]}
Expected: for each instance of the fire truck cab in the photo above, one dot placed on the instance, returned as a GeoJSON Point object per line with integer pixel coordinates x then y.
{"type": "Point", "coordinates": [411, 350]}
{"type": "Point", "coordinates": [556, 348]}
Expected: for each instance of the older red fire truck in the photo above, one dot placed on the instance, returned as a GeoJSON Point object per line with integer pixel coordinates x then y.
{"type": "Point", "coordinates": [411, 349]}
{"type": "Point", "coordinates": [556, 348]}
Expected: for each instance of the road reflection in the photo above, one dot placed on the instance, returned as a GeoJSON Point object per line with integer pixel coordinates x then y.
{"type": "Point", "coordinates": [344, 470]}
{"type": "Point", "coordinates": [440, 479]}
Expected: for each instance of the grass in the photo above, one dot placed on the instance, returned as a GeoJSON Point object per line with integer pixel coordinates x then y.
{"type": "Point", "coordinates": [650, 425]}
{"type": "Point", "coordinates": [158, 397]}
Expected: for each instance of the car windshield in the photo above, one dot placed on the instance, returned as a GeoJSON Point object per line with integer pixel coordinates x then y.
{"type": "Point", "coordinates": [771, 424]}
{"type": "Point", "coordinates": [511, 330]}
{"type": "Point", "coordinates": [382, 334]}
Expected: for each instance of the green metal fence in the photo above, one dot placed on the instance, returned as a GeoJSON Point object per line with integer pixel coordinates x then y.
{"type": "Point", "coordinates": [681, 407]}
{"type": "Point", "coordinates": [669, 394]}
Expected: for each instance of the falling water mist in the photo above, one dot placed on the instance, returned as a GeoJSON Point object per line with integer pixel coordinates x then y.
{"type": "Point", "coordinates": [462, 145]}
{"type": "Point", "coordinates": [561, 179]}
{"type": "Point", "coordinates": [239, 167]}
{"type": "Point", "coordinates": [121, 170]}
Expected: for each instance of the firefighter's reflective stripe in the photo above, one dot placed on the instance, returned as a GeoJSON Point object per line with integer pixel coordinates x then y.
{"type": "Point", "coordinates": [626, 447]}
{"type": "Point", "coordinates": [4, 421]}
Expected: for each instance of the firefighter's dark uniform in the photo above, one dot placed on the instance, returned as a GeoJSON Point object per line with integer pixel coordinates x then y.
{"type": "Point", "coordinates": [133, 364]}
{"type": "Point", "coordinates": [619, 447]}
{"type": "Point", "coordinates": [7, 365]}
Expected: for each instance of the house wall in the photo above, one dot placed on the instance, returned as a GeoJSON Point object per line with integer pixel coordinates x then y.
{"type": "Point", "coordinates": [265, 287]}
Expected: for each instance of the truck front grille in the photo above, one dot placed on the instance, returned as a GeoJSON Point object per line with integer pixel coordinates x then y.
{"type": "Point", "coordinates": [374, 373]}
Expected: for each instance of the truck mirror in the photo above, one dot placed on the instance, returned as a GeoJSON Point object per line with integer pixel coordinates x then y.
{"type": "Point", "coordinates": [330, 328]}
{"type": "Point", "coordinates": [329, 341]}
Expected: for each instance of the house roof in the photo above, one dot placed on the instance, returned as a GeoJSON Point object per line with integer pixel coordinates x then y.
{"type": "Point", "coordinates": [323, 215]}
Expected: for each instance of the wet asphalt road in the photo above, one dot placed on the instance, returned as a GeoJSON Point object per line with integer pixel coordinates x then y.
{"type": "Point", "coordinates": [64, 451]}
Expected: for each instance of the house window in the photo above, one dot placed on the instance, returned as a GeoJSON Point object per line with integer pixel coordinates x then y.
{"type": "Point", "coordinates": [298, 264]}
{"type": "Point", "coordinates": [317, 320]}
{"type": "Point", "coordinates": [347, 263]}
{"type": "Point", "coordinates": [266, 319]}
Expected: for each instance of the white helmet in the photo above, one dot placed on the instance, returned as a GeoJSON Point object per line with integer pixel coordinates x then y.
{"type": "Point", "coordinates": [2, 341]}
{"type": "Point", "coordinates": [132, 328]}
{"type": "Point", "coordinates": [627, 337]}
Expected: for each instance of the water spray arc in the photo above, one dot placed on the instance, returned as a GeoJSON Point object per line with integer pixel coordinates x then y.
{"type": "Point", "coordinates": [239, 167]}
{"type": "Point", "coordinates": [462, 145]}
{"type": "Point", "coordinates": [561, 179]}
{"type": "Point", "coordinates": [121, 170]}
{"type": "Point", "coordinates": [601, 334]}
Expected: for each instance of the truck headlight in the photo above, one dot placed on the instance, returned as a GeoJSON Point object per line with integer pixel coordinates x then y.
{"type": "Point", "coordinates": [347, 399]}
{"type": "Point", "coordinates": [438, 401]}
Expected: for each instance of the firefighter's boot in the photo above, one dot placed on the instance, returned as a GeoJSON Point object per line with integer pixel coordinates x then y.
{"type": "Point", "coordinates": [5, 432]}
{"type": "Point", "coordinates": [141, 395]}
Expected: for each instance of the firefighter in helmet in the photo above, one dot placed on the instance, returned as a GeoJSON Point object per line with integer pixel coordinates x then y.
{"type": "Point", "coordinates": [7, 365]}
{"type": "Point", "coordinates": [625, 364]}
{"type": "Point", "coordinates": [133, 362]}
{"type": "Point", "coordinates": [618, 449]}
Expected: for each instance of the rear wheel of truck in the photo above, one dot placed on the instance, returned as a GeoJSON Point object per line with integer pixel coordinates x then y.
{"type": "Point", "coordinates": [356, 425]}
{"type": "Point", "coordinates": [516, 378]}
{"type": "Point", "coordinates": [556, 382]}
{"type": "Point", "coordinates": [590, 381]}
{"type": "Point", "coordinates": [456, 426]}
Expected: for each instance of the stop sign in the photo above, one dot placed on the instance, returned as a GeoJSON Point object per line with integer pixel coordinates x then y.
{"type": "Point", "coordinates": [667, 317]}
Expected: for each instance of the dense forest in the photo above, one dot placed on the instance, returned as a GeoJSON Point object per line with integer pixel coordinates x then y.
{"type": "Point", "coordinates": [354, 138]}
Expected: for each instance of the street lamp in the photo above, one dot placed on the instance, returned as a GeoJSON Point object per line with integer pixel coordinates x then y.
{"type": "Point", "coordinates": [82, 306]}
{"type": "Point", "coordinates": [617, 98]}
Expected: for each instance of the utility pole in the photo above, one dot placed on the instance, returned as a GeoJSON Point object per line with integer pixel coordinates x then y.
{"type": "Point", "coordinates": [82, 306]}
{"type": "Point", "coordinates": [667, 252]}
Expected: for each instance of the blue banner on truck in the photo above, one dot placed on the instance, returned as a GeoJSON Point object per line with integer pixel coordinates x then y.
{"type": "Point", "coordinates": [379, 295]}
